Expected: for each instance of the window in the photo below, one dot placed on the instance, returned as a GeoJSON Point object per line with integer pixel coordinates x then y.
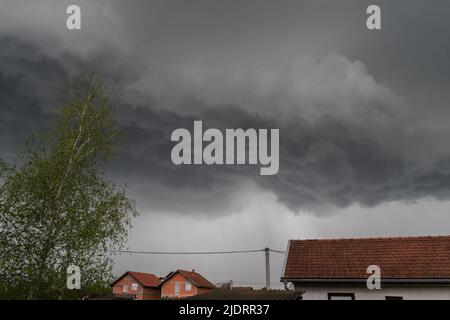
{"type": "Point", "coordinates": [177, 288]}
{"type": "Point", "coordinates": [394, 298]}
{"type": "Point", "coordinates": [341, 296]}
{"type": "Point", "coordinates": [188, 286]}
{"type": "Point", "coordinates": [134, 286]}
{"type": "Point", "coordinates": [125, 288]}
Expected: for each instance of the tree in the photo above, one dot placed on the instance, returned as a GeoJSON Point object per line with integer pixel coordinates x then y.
{"type": "Point", "coordinates": [57, 208]}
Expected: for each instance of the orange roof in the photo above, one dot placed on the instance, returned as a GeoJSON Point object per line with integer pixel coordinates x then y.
{"type": "Point", "coordinates": [196, 278]}
{"type": "Point", "coordinates": [145, 279]}
{"type": "Point", "coordinates": [398, 258]}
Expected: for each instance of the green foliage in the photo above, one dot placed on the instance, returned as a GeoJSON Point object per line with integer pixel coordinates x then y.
{"type": "Point", "coordinates": [57, 208]}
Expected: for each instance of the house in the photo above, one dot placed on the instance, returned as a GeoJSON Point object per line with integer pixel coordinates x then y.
{"type": "Point", "coordinates": [410, 268]}
{"type": "Point", "coordinates": [182, 284]}
{"type": "Point", "coordinates": [137, 285]}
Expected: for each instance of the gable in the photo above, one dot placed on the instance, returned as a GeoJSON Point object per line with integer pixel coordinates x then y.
{"type": "Point", "coordinates": [193, 277]}
{"type": "Point", "coordinates": [127, 280]}
{"type": "Point", "coordinates": [177, 277]}
{"type": "Point", "coordinates": [147, 280]}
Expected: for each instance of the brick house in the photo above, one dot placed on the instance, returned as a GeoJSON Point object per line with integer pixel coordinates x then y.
{"type": "Point", "coordinates": [137, 285]}
{"type": "Point", "coordinates": [410, 268]}
{"type": "Point", "coordinates": [182, 284]}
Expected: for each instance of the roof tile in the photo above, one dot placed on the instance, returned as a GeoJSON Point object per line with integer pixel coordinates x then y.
{"type": "Point", "coordinates": [398, 258]}
{"type": "Point", "coordinates": [146, 279]}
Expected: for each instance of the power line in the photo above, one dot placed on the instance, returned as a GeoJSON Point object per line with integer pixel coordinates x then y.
{"type": "Point", "coordinates": [244, 282]}
{"type": "Point", "coordinates": [194, 252]}
{"type": "Point", "coordinates": [277, 251]}
{"type": "Point", "coordinates": [266, 250]}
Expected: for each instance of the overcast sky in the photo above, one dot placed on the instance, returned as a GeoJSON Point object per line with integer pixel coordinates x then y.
{"type": "Point", "coordinates": [363, 117]}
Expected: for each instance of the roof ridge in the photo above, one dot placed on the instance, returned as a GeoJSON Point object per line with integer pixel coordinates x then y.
{"type": "Point", "coordinates": [190, 271]}
{"type": "Point", "coordinates": [141, 272]}
{"type": "Point", "coordinates": [183, 272]}
{"type": "Point", "coordinates": [201, 282]}
{"type": "Point", "coordinates": [374, 238]}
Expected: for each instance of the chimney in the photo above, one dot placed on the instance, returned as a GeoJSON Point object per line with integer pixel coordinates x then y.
{"type": "Point", "coordinates": [193, 270]}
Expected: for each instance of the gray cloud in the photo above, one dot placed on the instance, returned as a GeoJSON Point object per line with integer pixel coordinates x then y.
{"type": "Point", "coordinates": [327, 162]}
{"type": "Point", "coordinates": [352, 130]}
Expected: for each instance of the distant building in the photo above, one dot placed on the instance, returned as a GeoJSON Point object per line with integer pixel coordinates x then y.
{"type": "Point", "coordinates": [182, 284]}
{"type": "Point", "coordinates": [137, 285]}
{"type": "Point", "coordinates": [410, 268]}
{"type": "Point", "coordinates": [225, 285]}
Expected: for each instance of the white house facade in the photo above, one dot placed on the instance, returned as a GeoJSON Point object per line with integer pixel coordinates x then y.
{"type": "Point", "coordinates": [410, 268]}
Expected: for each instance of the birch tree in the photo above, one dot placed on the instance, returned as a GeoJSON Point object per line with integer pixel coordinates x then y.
{"type": "Point", "coordinates": [57, 207]}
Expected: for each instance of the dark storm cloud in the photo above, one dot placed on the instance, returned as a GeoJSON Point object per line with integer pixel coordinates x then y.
{"type": "Point", "coordinates": [23, 96]}
{"type": "Point", "coordinates": [324, 163]}
{"type": "Point", "coordinates": [20, 113]}
{"type": "Point", "coordinates": [346, 136]}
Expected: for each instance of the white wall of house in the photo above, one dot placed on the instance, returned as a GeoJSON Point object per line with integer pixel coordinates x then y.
{"type": "Point", "coordinates": [362, 293]}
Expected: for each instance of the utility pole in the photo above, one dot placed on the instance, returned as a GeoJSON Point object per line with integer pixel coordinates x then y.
{"type": "Point", "coordinates": [267, 268]}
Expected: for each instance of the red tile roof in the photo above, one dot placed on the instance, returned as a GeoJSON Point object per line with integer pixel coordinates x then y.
{"type": "Point", "coordinates": [398, 258]}
{"type": "Point", "coordinates": [148, 280]}
{"type": "Point", "coordinates": [196, 278]}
